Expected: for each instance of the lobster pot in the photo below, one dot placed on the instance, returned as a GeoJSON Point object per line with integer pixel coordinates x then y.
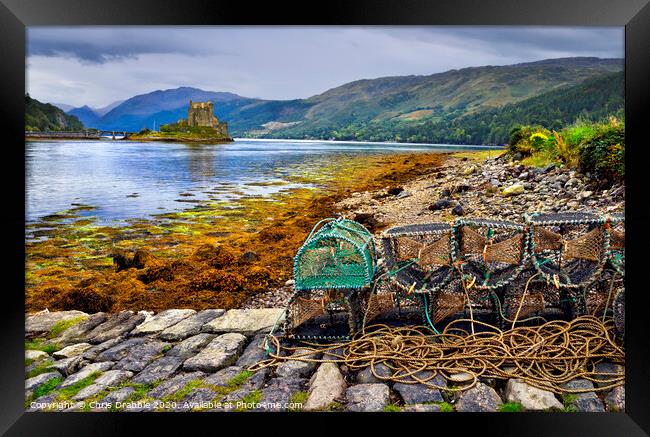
{"type": "Point", "coordinates": [392, 308]}
{"type": "Point", "coordinates": [451, 301]}
{"type": "Point", "coordinates": [491, 252]}
{"type": "Point", "coordinates": [339, 255]}
{"type": "Point", "coordinates": [419, 257]}
{"type": "Point", "coordinates": [599, 296]}
{"type": "Point", "coordinates": [318, 314]}
{"type": "Point", "coordinates": [616, 234]}
{"type": "Point", "coordinates": [568, 249]}
{"type": "Point", "coordinates": [532, 296]}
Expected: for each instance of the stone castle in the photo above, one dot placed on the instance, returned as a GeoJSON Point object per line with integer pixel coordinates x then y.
{"type": "Point", "coordinates": [201, 114]}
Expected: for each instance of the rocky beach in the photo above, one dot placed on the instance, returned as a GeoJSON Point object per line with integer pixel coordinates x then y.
{"type": "Point", "coordinates": [197, 360]}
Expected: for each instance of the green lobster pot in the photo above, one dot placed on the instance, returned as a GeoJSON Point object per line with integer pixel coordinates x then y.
{"type": "Point", "coordinates": [339, 255]}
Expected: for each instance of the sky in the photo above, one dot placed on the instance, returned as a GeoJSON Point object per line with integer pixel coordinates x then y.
{"type": "Point", "coordinates": [98, 65]}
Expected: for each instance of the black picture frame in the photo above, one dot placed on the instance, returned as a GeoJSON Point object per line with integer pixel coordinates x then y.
{"type": "Point", "coordinates": [15, 15]}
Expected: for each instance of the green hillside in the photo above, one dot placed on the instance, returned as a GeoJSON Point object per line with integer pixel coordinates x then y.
{"type": "Point", "coordinates": [591, 100]}
{"type": "Point", "coordinates": [45, 117]}
{"type": "Point", "coordinates": [364, 109]}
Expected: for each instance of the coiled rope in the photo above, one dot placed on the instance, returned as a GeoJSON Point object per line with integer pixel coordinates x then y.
{"type": "Point", "coordinates": [546, 356]}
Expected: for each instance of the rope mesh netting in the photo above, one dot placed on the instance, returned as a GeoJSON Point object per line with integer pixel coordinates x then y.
{"type": "Point", "coordinates": [341, 254]}
{"type": "Point", "coordinates": [562, 264]}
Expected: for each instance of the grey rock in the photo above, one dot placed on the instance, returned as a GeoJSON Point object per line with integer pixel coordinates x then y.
{"type": "Point", "coordinates": [221, 352]}
{"type": "Point", "coordinates": [223, 376]}
{"type": "Point", "coordinates": [190, 326]}
{"type": "Point", "coordinates": [139, 357]}
{"type": "Point", "coordinates": [162, 321]}
{"type": "Point", "coordinates": [40, 323]}
{"type": "Point", "coordinates": [616, 371]}
{"type": "Point", "coordinates": [119, 395]}
{"type": "Point", "coordinates": [420, 393]}
{"type": "Point", "coordinates": [32, 384]}
{"type": "Point", "coordinates": [120, 350]}
{"type": "Point", "coordinates": [92, 353]}
{"type": "Point", "coordinates": [191, 346]}
{"type": "Point", "coordinates": [116, 326]}
{"type": "Point", "coordinates": [68, 366]}
{"type": "Point", "coordinates": [458, 210]}
{"type": "Point", "coordinates": [247, 322]}
{"type": "Point", "coordinates": [171, 386]}
{"type": "Point", "coordinates": [39, 364]}
{"type": "Point", "coordinates": [35, 355]}
{"type": "Point", "coordinates": [197, 397]}
{"type": "Point", "coordinates": [254, 352]}
{"type": "Point", "coordinates": [440, 204]}
{"type": "Point", "coordinates": [110, 378]}
{"type": "Point", "coordinates": [367, 397]}
{"type": "Point", "coordinates": [531, 398]}
{"type": "Point", "coordinates": [325, 386]}
{"type": "Point", "coordinates": [478, 398]}
{"type": "Point", "coordinates": [72, 350]}
{"type": "Point", "coordinates": [256, 381]}
{"type": "Point", "coordinates": [421, 408]}
{"type": "Point", "coordinates": [365, 376]}
{"type": "Point", "coordinates": [160, 369]}
{"type": "Point", "coordinates": [403, 194]}
{"type": "Point", "coordinates": [298, 369]}
{"type": "Point", "coordinates": [279, 392]}
{"type": "Point", "coordinates": [85, 372]}
{"type": "Point", "coordinates": [587, 401]}
{"type": "Point", "coordinates": [78, 332]}
{"type": "Point", "coordinates": [615, 399]}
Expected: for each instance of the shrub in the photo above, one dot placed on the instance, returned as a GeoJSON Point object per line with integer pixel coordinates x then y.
{"type": "Point", "coordinates": [603, 156]}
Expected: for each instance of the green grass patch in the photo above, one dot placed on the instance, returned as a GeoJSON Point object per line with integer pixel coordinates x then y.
{"type": "Point", "coordinates": [61, 326]}
{"type": "Point", "coordinates": [46, 388]}
{"type": "Point", "coordinates": [511, 407]}
{"type": "Point", "coordinates": [298, 399]}
{"type": "Point", "coordinates": [187, 389]}
{"type": "Point", "coordinates": [44, 367]}
{"type": "Point", "coordinates": [392, 408]}
{"type": "Point", "coordinates": [239, 379]}
{"type": "Point", "coordinates": [446, 407]}
{"type": "Point", "coordinates": [39, 344]}
{"type": "Point", "coordinates": [29, 361]}
{"type": "Point", "coordinates": [478, 156]}
{"type": "Point", "coordinates": [568, 400]}
{"type": "Point", "coordinates": [253, 397]}
{"type": "Point", "coordinates": [67, 392]}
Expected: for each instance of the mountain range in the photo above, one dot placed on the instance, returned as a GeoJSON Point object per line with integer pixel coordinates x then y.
{"type": "Point", "coordinates": [445, 107]}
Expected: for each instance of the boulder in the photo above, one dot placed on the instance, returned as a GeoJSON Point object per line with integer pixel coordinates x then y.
{"type": "Point", "coordinates": [223, 376]}
{"type": "Point", "coordinates": [162, 321]}
{"type": "Point", "coordinates": [531, 398]}
{"type": "Point", "coordinates": [615, 399]}
{"type": "Point", "coordinates": [254, 352]}
{"type": "Point", "coordinates": [191, 346]}
{"type": "Point", "coordinates": [77, 333]}
{"type": "Point", "coordinates": [477, 399]}
{"type": "Point", "coordinates": [119, 395]}
{"type": "Point", "coordinates": [108, 379]}
{"type": "Point", "coordinates": [32, 384]}
{"type": "Point", "coordinates": [365, 376]}
{"type": "Point", "coordinates": [85, 372]}
{"type": "Point", "coordinates": [367, 397]}
{"type": "Point", "coordinates": [72, 350]}
{"type": "Point", "coordinates": [221, 352]}
{"type": "Point", "coordinates": [116, 326]}
{"type": "Point", "coordinates": [245, 321]}
{"type": "Point", "coordinates": [587, 401]}
{"type": "Point", "coordinates": [513, 190]}
{"type": "Point", "coordinates": [325, 387]}
{"type": "Point", "coordinates": [139, 357]}
{"type": "Point", "coordinates": [68, 366]}
{"type": "Point", "coordinates": [298, 369]}
{"type": "Point", "coordinates": [171, 386]}
{"type": "Point", "coordinates": [160, 369]}
{"type": "Point", "coordinates": [190, 326]}
{"type": "Point", "coordinates": [278, 393]}
{"type": "Point", "coordinates": [420, 393]}
{"type": "Point", "coordinates": [40, 323]}
{"type": "Point", "coordinates": [35, 355]}
{"type": "Point", "coordinates": [421, 408]}
{"type": "Point", "coordinates": [440, 204]}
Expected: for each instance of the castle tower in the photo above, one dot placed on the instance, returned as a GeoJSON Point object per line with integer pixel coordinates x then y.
{"type": "Point", "coordinates": [202, 114]}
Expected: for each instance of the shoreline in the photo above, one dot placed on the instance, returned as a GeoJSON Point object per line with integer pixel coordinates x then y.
{"type": "Point", "coordinates": [218, 254]}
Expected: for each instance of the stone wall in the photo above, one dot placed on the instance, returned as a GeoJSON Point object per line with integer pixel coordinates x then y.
{"type": "Point", "coordinates": [184, 360]}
